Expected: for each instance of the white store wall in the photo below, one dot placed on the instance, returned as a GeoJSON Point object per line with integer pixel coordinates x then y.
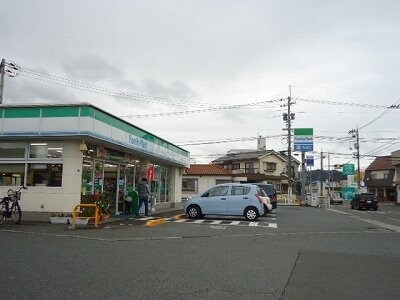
{"type": "Point", "coordinates": [59, 199]}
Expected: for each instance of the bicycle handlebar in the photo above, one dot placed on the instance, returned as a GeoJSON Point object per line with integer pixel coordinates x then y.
{"type": "Point", "coordinates": [15, 192]}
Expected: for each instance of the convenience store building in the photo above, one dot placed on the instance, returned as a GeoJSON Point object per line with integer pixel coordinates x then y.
{"type": "Point", "coordinates": [66, 152]}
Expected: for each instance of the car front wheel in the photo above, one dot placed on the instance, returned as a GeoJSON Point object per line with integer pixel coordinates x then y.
{"type": "Point", "coordinates": [194, 212]}
{"type": "Point", "coordinates": [251, 214]}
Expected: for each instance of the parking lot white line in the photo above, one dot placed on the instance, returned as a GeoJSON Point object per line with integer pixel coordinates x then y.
{"type": "Point", "coordinates": [253, 224]}
{"type": "Point", "coordinates": [235, 223]}
{"type": "Point", "coordinates": [393, 219]}
{"type": "Point", "coordinates": [215, 222]}
{"type": "Point", "coordinates": [380, 224]}
{"type": "Point", "coordinates": [338, 211]}
{"type": "Point", "coordinates": [198, 221]}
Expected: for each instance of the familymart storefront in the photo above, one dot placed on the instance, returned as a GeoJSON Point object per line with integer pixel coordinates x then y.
{"type": "Point", "coordinates": [68, 153]}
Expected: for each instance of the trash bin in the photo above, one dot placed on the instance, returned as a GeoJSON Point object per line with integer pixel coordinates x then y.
{"type": "Point", "coordinates": [135, 201]}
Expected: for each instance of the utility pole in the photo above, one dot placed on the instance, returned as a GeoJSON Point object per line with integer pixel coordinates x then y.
{"type": "Point", "coordinates": [303, 177]}
{"type": "Point", "coordinates": [321, 192]}
{"type": "Point", "coordinates": [354, 134]}
{"type": "Point", "coordinates": [329, 181]}
{"type": "Point", "coordinates": [288, 117]}
{"type": "Point", "coordinates": [2, 71]}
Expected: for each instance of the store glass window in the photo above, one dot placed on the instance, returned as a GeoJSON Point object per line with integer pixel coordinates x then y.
{"type": "Point", "coordinates": [12, 174]}
{"type": "Point", "coordinates": [12, 150]}
{"type": "Point", "coordinates": [45, 150]}
{"type": "Point", "coordinates": [44, 174]}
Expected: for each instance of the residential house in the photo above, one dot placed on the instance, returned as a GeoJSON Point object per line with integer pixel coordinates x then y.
{"type": "Point", "coordinates": [380, 178]}
{"type": "Point", "coordinates": [396, 178]}
{"type": "Point", "coordinates": [199, 177]}
{"type": "Point", "coordinates": [259, 166]}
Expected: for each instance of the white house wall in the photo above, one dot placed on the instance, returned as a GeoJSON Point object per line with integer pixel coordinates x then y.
{"type": "Point", "coordinates": [205, 182]}
{"type": "Point", "coordinates": [280, 165]}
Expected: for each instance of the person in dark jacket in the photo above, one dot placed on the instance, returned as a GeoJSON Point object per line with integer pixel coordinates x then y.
{"type": "Point", "coordinates": [143, 191]}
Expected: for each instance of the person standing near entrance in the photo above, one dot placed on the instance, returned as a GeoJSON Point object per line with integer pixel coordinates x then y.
{"type": "Point", "coordinates": [143, 191]}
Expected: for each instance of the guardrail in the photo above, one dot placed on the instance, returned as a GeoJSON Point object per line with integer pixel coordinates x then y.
{"type": "Point", "coordinates": [76, 211]}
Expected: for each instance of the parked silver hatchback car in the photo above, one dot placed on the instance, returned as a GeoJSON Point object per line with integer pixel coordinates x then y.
{"type": "Point", "coordinates": [232, 199]}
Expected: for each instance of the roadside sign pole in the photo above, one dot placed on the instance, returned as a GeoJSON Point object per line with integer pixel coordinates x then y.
{"type": "Point", "coordinates": [303, 178]}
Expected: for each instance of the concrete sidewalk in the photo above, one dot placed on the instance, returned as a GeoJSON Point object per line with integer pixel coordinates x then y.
{"type": "Point", "coordinates": [161, 211]}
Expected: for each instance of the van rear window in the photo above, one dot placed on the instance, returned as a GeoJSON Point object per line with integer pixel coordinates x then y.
{"type": "Point", "coordinates": [268, 188]}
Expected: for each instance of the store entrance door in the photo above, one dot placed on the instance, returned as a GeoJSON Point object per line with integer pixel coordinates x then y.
{"type": "Point", "coordinates": [114, 181]}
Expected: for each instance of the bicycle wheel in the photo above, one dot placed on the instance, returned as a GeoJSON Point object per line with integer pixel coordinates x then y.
{"type": "Point", "coordinates": [16, 214]}
{"type": "Point", "coordinates": [3, 212]}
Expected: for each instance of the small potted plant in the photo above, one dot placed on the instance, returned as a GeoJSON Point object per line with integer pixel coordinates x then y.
{"type": "Point", "coordinates": [104, 206]}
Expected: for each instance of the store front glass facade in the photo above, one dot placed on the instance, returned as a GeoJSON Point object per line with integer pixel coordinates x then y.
{"type": "Point", "coordinates": [111, 175]}
{"type": "Point", "coordinates": [31, 164]}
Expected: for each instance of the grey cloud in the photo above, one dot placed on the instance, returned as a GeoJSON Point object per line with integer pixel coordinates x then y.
{"type": "Point", "coordinates": [92, 69]}
{"type": "Point", "coordinates": [23, 90]}
{"type": "Point", "coordinates": [177, 90]}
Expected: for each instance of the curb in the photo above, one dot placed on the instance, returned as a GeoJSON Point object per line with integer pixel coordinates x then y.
{"type": "Point", "coordinates": [156, 222]}
{"type": "Point", "coordinates": [179, 217]}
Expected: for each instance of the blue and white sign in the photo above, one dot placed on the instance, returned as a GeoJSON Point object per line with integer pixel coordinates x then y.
{"type": "Point", "coordinates": [310, 161]}
{"type": "Point", "coordinates": [303, 139]}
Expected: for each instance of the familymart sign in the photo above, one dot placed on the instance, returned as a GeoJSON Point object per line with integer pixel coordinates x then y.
{"type": "Point", "coordinates": [303, 139]}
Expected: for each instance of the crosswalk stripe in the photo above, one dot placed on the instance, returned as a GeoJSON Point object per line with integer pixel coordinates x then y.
{"type": "Point", "coordinates": [216, 222]}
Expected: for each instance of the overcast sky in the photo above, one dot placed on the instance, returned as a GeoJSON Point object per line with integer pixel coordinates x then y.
{"type": "Point", "coordinates": [173, 67]}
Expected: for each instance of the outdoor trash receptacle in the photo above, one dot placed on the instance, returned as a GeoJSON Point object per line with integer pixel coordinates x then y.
{"type": "Point", "coordinates": [135, 201]}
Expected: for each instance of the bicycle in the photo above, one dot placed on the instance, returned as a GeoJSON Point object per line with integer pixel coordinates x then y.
{"type": "Point", "coordinates": [14, 211]}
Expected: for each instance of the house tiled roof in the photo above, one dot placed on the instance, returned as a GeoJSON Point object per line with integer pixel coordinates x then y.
{"type": "Point", "coordinates": [207, 169]}
{"type": "Point", "coordinates": [241, 155]}
{"type": "Point", "coordinates": [381, 163]}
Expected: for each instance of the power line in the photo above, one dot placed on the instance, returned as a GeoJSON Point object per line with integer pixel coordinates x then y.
{"type": "Point", "coordinates": [365, 105]}
{"type": "Point", "coordinates": [387, 110]}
